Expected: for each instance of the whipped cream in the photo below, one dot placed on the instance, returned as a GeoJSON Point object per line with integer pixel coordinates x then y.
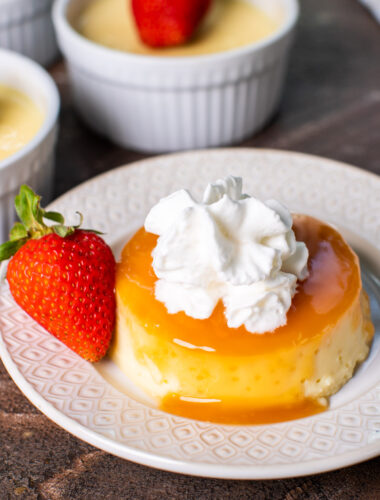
{"type": "Point", "coordinates": [230, 247]}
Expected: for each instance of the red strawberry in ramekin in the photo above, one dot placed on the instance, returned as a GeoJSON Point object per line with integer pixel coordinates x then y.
{"type": "Point", "coordinates": [164, 23]}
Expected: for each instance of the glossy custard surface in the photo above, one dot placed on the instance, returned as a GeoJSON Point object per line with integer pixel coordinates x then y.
{"type": "Point", "coordinates": [332, 286]}
{"type": "Point", "coordinates": [20, 120]}
{"type": "Point", "coordinates": [228, 25]}
{"type": "Point", "coordinates": [203, 369]}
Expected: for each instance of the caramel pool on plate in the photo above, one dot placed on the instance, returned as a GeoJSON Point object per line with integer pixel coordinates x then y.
{"type": "Point", "coordinates": [205, 370]}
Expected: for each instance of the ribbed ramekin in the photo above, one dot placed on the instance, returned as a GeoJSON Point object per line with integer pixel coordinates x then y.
{"type": "Point", "coordinates": [33, 164]}
{"type": "Point", "coordinates": [160, 104]}
{"type": "Point", "coordinates": [26, 27]}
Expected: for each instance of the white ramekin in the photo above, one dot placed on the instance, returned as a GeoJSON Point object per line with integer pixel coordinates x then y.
{"type": "Point", "coordinates": [26, 27]}
{"type": "Point", "coordinates": [160, 104]}
{"type": "Point", "coordinates": [34, 163]}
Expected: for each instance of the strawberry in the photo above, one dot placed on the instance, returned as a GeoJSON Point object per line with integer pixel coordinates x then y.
{"type": "Point", "coordinates": [62, 276]}
{"type": "Point", "coordinates": [164, 23]}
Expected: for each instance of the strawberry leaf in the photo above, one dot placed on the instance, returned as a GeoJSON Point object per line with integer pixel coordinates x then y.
{"type": "Point", "coordinates": [18, 232]}
{"type": "Point", "coordinates": [62, 231]}
{"type": "Point", "coordinates": [94, 231]}
{"type": "Point", "coordinates": [8, 249]}
{"type": "Point", "coordinates": [27, 204]}
{"type": "Point", "coordinates": [54, 216]}
{"type": "Point", "coordinates": [37, 211]}
{"type": "Point", "coordinates": [23, 205]}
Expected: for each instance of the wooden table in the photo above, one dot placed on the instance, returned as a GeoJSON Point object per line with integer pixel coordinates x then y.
{"type": "Point", "coordinates": [331, 108]}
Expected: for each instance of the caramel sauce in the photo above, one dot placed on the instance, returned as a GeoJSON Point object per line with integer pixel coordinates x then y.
{"type": "Point", "coordinates": [332, 286]}
{"type": "Point", "coordinates": [236, 413]}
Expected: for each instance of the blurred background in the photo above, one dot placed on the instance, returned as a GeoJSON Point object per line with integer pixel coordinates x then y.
{"type": "Point", "coordinates": [330, 107]}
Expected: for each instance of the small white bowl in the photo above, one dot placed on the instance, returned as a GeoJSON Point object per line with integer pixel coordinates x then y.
{"type": "Point", "coordinates": [26, 27]}
{"type": "Point", "coordinates": [160, 104]}
{"type": "Point", "coordinates": [34, 163]}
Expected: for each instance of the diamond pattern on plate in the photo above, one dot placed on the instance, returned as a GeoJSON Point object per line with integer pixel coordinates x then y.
{"type": "Point", "coordinates": [79, 392]}
{"type": "Point", "coordinates": [258, 452]}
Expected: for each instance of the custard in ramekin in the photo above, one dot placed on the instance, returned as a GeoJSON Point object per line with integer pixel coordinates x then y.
{"type": "Point", "coordinates": [172, 102]}
{"type": "Point", "coordinates": [33, 104]}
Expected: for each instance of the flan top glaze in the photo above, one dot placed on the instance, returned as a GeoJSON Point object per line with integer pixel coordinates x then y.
{"type": "Point", "coordinates": [332, 287]}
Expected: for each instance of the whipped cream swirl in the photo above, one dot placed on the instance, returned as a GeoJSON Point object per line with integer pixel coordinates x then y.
{"type": "Point", "coordinates": [230, 247]}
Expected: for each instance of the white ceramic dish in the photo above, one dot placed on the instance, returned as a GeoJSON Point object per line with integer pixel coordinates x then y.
{"type": "Point", "coordinates": [76, 394]}
{"type": "Point", "coordinates": [166, 104]}
{"type": "Point", "coordinates": [33, 164]}
{"type": "Point", "coordinates": [26, 27]}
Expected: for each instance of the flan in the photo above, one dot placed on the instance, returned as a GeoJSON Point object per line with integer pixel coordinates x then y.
{"type": "Point", "coordinates": [20, 120]}
{"type": "Point", "coordinates": [204, 369]}
{"type": "Point", "coordinates": [229, 24]}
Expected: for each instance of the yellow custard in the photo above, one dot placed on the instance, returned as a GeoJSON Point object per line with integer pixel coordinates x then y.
{"type": "Point", "coordinates": [229, 24]}
{"type": "Point", "coordinates": [20, 120]}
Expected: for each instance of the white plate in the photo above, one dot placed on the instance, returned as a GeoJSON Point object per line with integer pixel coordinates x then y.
{"type": "Point", "coordinates": [76, 396]}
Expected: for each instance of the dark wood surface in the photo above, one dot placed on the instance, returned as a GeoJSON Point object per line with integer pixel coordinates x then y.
{"type": "Point", "coordinates": [331, 108]}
